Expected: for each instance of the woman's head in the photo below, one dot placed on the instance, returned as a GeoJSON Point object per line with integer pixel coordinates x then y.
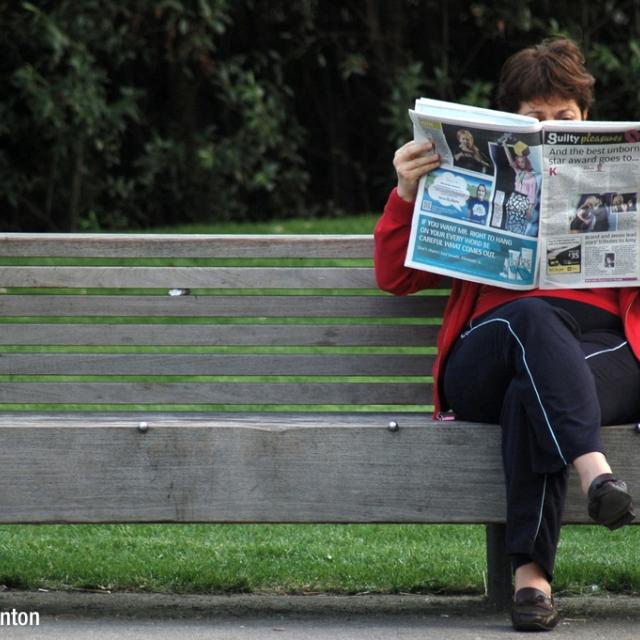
{"type": "Point", "coordinates": [523, 163]}
{"type": "Point", "coordinates": [590, 202]}
{"type": "Point", "coordinates": [548, 81]}
{"type": "Point", "coordinates": [481, 192]}
{"type": "Point", "coordinates": [465, 138]}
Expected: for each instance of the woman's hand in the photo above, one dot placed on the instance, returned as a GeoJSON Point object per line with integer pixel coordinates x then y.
{"type": "Point", "coordinates": [411, 162]}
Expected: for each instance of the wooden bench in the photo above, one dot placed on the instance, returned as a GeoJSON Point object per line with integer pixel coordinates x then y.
{"type": "Point", "coordinates": [234, 379]}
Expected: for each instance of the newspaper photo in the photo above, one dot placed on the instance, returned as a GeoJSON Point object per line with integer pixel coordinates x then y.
{"type": "Point", "coordinates": [514, 202]}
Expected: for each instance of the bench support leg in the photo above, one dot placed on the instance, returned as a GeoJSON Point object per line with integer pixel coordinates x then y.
{"type": "Point", "coordinates": [499, 581]}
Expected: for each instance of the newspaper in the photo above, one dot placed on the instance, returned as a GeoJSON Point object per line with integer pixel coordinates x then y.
{"type": "Point", "coordinates": [519, 203]}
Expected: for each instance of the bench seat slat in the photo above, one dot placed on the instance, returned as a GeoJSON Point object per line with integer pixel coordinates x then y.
{"type": "Point", "coordinates": [214, 393]}
{"type": "Point", "coordinates": [215, 364]}
{"type": "Point", "coordinates": [185, 246]}
{"type": "Point", "coordinates": [222, 306]}
{"type": "Point", "coordinates": [316, 335]}
{"type": "Point", "coordinates": [189, 277]}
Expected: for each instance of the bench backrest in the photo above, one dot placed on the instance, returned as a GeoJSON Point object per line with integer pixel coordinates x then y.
{"type": "Point", "coordinates": [102, 322]}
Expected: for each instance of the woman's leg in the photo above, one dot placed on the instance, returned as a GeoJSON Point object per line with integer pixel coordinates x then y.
{"type": "Point", "coordinates": [490, 379]}
{"type": "Point", "coordinates": [523, 366]}
{"type": "Point", "coordinates": [533, 351]}
{"type": "Point", "coordinates": [535, 492]}
{"type": "Point", "coordinates": [616, 373]}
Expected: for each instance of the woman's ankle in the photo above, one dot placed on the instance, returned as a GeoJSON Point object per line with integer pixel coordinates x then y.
{"type": "Point", "coordinates": [532, 575]}
{"type": "Point", "coordinates": [589, 466]}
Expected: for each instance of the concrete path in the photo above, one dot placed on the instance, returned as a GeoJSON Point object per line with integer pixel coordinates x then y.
{"type": "Point", "coordinates": [89, 616]}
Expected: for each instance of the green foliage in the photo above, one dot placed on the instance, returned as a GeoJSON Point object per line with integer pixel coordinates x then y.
{"type": "Point", "coordinates": [139, 113]}
{"type": "Point", "coordinates": [126, 114]}
{"type": "Point", "coordinates": [409, 84]}
{"type": "Point", "coordinates": [61, 122]}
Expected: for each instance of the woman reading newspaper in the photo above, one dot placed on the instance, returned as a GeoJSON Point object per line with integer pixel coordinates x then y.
{"type": "Point", "coordinates": [550, 366]}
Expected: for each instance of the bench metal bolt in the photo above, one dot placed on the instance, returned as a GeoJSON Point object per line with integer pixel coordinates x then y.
{"type": "Point", "coordinates": [393, 426]}
{"type": "Point", "coordinates": [143, 427]}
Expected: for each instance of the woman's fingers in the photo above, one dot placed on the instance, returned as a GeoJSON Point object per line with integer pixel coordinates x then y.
{"type": "Point", "coordinates": [412, 150]}
{"type": "Point", "coordinates": [418, 164]}
{"type": "Point", "coordinates": [411, 162]}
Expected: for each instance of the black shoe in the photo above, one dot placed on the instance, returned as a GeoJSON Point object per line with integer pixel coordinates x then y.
{"type": "Point", "coordinates": [610, 503]}
{"type": "Point", "coordinates": [533, 611]}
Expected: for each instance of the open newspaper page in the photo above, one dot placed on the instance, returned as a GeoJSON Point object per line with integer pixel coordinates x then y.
{"type": "Point", "coordinates": [589, 225]}
{"type": "Point", "coordinates": [476, 216]}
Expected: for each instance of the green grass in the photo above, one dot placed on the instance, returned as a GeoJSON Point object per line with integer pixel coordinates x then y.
{"type": "Point", "coordinates": [293, 558]}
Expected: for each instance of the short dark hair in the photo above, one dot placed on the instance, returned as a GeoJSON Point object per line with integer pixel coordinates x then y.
{"type": "Point", "coordinates": [555, 67]}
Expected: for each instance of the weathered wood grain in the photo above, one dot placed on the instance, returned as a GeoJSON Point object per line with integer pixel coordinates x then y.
{"type": "Point", "coordinates": [189, 277]}
{"type": "Point", "coordinates": [280, 306]}
{"type": "Point", "coordinates": [277, 468]}
{"type": "Point", "coordinates": [269, 335]}
{"type": "Point", "coordinates": [193, 364]}
{"type": "Point", "coordinates": [154, 393]}
{"type": "Point", "coordinates": [184, 246]}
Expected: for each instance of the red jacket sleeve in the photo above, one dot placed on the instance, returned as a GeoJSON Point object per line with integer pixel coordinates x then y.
{"type": "Point", "coordinates": [630, 313]}
{"type": "Point", "coordinates": [391, 237]}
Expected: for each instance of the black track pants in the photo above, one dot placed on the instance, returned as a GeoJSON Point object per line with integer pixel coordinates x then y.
{"type": "Point", "coordinates": [528, 366]}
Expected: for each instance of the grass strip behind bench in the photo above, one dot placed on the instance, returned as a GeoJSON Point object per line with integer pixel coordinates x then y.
{"type": "Point", "coordinates": [294, 558]}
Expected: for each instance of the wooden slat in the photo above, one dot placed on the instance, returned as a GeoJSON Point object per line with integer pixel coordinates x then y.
{"type": "Point", "coordinates": [222, 306]}
{"type": "Point", "coordinates": [214, 393]}
{"type": "Point", "coordinates": [189, 277]}
{"type": "Point", "coordinates": [279, 468]}
{"type": "Point", "coordinates": [185, 246]}
{"type": "Point", "coordinates": [214, 364]}
{"type": "Point", "coordinates": [316, 335]}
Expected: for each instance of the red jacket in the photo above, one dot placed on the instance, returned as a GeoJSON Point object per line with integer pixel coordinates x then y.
{"type": "Point", "coordinates": [391, 239]}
